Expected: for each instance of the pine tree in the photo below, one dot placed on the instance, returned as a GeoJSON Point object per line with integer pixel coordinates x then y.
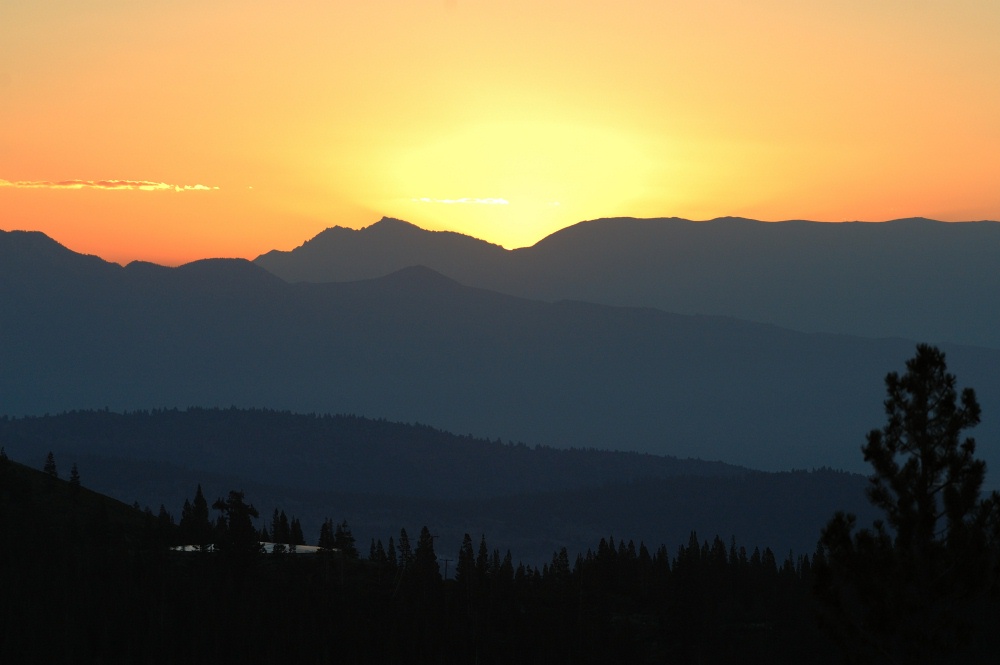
{"type": "Point", "coordinates": [326, 542]}
{"type": "Point", "coordinates": [405, 553]}
{"type": "Point", "coordinates": [295, 535]}
{"type": "Point", "coordinates": [195, 526]}
{"type": "Point", "coordinates": [465, 567]}
{"type": "Point", "coordinates": [345, 541]}
{"type": "Point", "coordinates": [390, 553]}
{"type": "Point", "coordinates": [902, 590]}
{"type": "Point", "coordinates": [425, 564]}
{"type": "Point", "coordinates": [279, 532]}
{"type": "Point", "coordinates": [482, 559]}
{"type": "Point", "coordinates": [238, 538]}
{"type": "Point", "coordinates": [50, 465]}
{"type": "Point", "coordinates": [74, 477]}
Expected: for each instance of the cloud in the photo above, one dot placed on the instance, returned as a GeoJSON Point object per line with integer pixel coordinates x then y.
{"type": "Point", "coordinates": [487, 202]}
{"type": "Point", "coordinates": [142, 185]}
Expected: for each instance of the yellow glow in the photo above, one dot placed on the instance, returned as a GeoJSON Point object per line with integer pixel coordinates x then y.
{"type": "Point", "coordinates": [319, 114]}
{"type": "Point", "coordinates": [530, 165]}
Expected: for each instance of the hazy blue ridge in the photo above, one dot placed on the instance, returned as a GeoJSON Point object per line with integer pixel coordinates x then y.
{"type": "Point", "coordinates": [415, 346]}
{"type": "Point", "coordinates": [914, 278]}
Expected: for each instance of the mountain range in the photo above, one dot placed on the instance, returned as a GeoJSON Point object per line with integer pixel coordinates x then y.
{"type": "Point", "coordinates": [914, 278]}
{"type": "Point", "coordinates": [416, 346]}
{"type": "Point", "coordinates": [542, 384]}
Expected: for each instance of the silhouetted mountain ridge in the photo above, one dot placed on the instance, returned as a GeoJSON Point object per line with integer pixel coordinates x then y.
{"type": "Point", "coordinates": [419, 347]}
{"type": "Point", "coordinates": [380, 249]}
{"type": "Point", "coordinates": [915, 278]}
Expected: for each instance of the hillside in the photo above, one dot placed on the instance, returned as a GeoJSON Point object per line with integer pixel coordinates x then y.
{"type": "Point", "coordinates": [383, 476]}
{"type": "Point", "coordinates": [43, 511]}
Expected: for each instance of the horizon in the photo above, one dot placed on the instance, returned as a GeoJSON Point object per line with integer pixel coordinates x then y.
{"type": "Point", "coordinates": [169, 134]}
{"type": "Point", "coordinates": [120, 260]}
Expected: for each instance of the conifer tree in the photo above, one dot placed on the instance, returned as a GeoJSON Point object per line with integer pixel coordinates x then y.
{"type": "Point", "coordinates": [903, 590]}
{"type": "Point", "coordinates": [238, 537]}
{"type": "Point", "coordinates": [345, 541]}
{"type": "Point", "coordinates": [390, 553]}
{"type": "Point", "coordinates": [50, 465]}
{"type": "Point", "coordinates": [405, 552]}
{"type": "Point", "coordinates": [425, 564]}
{"type": "Point", "coordinates": [465, 567]}
{"type": "Point", "coordinates": [74, 477]}
{"type": "Point", "coordinates": [326, 542]}
{"type": "Point", "coordinates": [280, 532]}
{"type": "Point", "coordinates": [295, 535]}
{"type": "Point", "coordinates": [482, 559]}
{"type": "Point", "coordinates": [195, 526]}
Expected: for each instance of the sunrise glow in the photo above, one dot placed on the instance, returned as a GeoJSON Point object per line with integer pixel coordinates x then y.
{"type": "Point", "coordinates": [506, 121]}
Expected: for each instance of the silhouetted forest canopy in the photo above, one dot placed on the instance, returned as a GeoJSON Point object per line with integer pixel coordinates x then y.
{"type": "Point", "coordinates": [96, 579]}
{"type": "Point", "coordinates": [90, 579]}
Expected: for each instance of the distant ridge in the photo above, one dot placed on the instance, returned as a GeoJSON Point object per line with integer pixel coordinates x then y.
{"type": "Point", "coordinates": [340, 255]}
{"type": "Point", "coordinates": [916, 278]}
{"type": "Point", "coordinates": [416, 346]}
{"type": "Point", "coordinates": [33, 252]}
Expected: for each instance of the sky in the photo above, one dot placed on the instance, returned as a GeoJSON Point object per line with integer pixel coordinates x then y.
{"type": "Point", "coordinates": [180, 130]}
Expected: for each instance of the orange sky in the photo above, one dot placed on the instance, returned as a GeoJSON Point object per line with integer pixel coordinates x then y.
{"type": "Point", "coordinates": [503, 120]}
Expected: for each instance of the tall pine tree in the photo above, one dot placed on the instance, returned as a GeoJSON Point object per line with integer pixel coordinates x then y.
{"type": "Point", "coordinates": [905, 590]}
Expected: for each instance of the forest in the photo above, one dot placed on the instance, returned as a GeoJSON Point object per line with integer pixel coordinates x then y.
{"type": "Point", "coordinates": [92, 579]}
{"type": "Point", "coordinates": [89, 579]}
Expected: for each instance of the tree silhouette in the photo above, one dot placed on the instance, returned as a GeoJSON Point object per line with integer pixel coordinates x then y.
{"type": "Point", "coordinates": [195, 526]}
{"type": "Point", "coordinates": [405, 552]}
{"type": "Point", "coordinates": [327, 541]}
{"type": "Point", "coordinates": [280, 532]}
{"type": "Point", "coordinates": [344, 540]}
{"type": "Point", "coordinates": [295, 535]}
{"type": "Point", "coordinates": [50, 465]}
{"type": "Point", "coordinates": [906, 588]}
{"type": "Point", "coordinates": [238, 537]}
{"type": "Point", "coordinates": [425, 562]}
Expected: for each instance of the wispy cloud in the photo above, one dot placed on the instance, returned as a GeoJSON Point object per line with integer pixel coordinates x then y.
{"type": "Point", "coordinates": [487, 202]}
{"type": "Point", "coordinates": [142, 185]}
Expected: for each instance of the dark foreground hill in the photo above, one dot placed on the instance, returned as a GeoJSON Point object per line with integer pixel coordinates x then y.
{"type": "Point", "coordinates": [915, 278]}
{"type": "Point", "coordinates": [38, 510]}
{"type": "Point", "coordinates": [415, 346]}
{"type": "Point", "coordinates": [86, 579]}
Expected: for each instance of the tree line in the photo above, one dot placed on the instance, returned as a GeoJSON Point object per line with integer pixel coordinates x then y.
{"type": "Point", "coordinates": [920, 585]}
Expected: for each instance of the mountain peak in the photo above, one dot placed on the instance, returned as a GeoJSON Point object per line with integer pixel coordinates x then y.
{"type": "Point", "coordinates": [391, 223]}
{"type": "Point", "coordinates": [344, 255]}
{"type": "Point", "coordinates": [33, 251]}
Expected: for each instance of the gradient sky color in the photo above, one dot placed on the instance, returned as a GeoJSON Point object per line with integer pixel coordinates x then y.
{"type": "Point", "coordinates": [181, 130]}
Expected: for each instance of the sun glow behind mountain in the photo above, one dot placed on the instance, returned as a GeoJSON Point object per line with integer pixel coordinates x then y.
{"type": "Point", "coordinates": [284, 121]}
